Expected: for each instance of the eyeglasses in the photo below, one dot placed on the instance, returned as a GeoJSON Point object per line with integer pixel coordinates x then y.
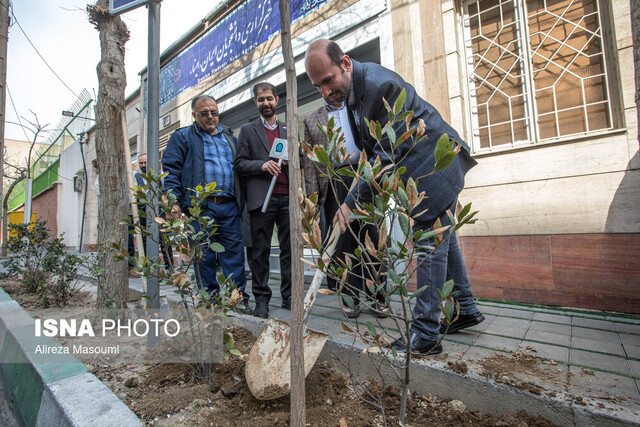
{"type": "Point", "coordinates": [208, 113]}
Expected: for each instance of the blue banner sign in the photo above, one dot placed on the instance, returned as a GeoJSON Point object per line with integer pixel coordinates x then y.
{"type": "Point", "coordinates": [248, 26]}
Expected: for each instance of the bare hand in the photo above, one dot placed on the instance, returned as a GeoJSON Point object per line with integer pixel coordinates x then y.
{"type": "Point", "coordinates": [342, 218]}
{"type": "Point", "coordinates": [271, 168]}
{"type": "Point", "coordinates": [176, 212]}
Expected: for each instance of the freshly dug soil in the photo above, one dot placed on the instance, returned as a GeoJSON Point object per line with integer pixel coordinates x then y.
{"type": "Point", "coordinates": [168, 395]}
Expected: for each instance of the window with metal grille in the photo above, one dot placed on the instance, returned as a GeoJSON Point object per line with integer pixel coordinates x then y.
{"type": "Point", "coordinates": [537, 71]}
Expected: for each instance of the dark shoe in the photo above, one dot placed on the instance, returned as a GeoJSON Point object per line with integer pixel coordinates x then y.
{"type": "Point", "coordinates": [244, 308]}
{"type": "Point", "coordinates": [286, 304]}
{"type": "Point", "coordinates": [379, 310]}
{"type": "Point", "coordinates": [261, 310]}
{"type": "Point", "coordinates": [419, 345]}
{"type": "Point", "coordinates": [463, 321]}
{"type": "Point", "coordinates": [351, 313]}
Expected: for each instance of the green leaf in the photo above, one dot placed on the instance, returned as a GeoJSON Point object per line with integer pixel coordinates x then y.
{"type": "Point", "coordinates": [235, 352]}
{"type": "Point", "coordinates": [443, 146]}
{"type": "Point", "coordinates": [323, 156]}
{"type": "Point", "coordinates": [403, 116]}
{"type": "Point", "coordinates": [378, 131]}
{"type": "Point", "coordinates": [395, 277]}
{"type": "Point", "coordinates": [402, 195]}
{"type": "Point", "coordinates": [465, 210]}
{"type": "Point", "coordinates": [404, 224]}
{"type": "Point", "coordinates": [447, 288]}
{"type": "Point", "coordinates": [397, 108]}
{"type": "Point", "coordinates": [444, 161]}
{"type": "Point", "coordinates": [391, 134]}
{"type": "Point", "coordinates": [419, 291]}
{"type": "Point", "coordinates": [348, 301]}
{"type": "Point", "coordinates": [372, 329]}
{"type": "Point", "coordinates": [216, 247]}
{"type": "Point", "coordinates": [447, 310]}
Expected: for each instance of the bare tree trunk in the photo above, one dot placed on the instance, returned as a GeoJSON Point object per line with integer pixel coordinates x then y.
{"type": "Point", "coordinates": [4, 36]}
{"type": "Point", "coordinates": [298, 411]}
{"type": "Point", "coordinates": [635, 29]}
{"type": "Point", "coordinates": [114, 34]}
{"type": "Point", "coordinates": [5, 212]}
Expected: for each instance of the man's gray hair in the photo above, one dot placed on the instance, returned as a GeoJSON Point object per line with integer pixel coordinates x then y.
{"type": "Point", "coordinates": [197, 98]}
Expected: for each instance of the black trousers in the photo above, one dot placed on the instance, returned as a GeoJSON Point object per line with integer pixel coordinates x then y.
{"type": "Point", "coordinates": [347, 243]}
{"type": "Point", "coordinates": [261, 232]}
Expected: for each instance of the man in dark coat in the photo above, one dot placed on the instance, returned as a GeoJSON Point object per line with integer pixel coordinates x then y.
{"type": "Point", "coordinates": [362, 86]}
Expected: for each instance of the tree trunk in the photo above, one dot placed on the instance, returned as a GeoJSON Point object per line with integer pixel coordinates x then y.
{"type": "Point", "coordinates": [114, 283]}
{"type": "Point", "coordinates": [635, 29]}
{"type": "Point", "coordinates": [298, 412]}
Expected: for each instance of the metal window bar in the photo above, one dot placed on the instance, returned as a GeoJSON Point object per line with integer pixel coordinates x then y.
{"type": "Point", "coordinates": [532, 62]}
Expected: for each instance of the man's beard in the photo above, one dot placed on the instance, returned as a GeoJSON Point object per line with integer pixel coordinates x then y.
{"type": "Point", "coordinates": [270, 112]}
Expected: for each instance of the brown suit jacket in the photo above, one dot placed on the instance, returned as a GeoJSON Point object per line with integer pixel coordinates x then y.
{"type": "Point", "coordinates": [313, 181]}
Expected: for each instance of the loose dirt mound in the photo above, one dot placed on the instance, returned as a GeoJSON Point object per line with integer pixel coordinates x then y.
{"type": "Point", "coordinates": [523, 370]}
{"type": "Point", "coordinates": [167, 395]}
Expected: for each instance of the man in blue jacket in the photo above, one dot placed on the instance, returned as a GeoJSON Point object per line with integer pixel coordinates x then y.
{"type": "Point", "coordinates": [362, 86]}
{"type": "Point", "coordinates": [198, 155]}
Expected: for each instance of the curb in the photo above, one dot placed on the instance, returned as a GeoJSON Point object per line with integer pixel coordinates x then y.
{"type": "Point", "coordinates": [476, 392]}
{"type": "Point", "coordinates": [51, 389]}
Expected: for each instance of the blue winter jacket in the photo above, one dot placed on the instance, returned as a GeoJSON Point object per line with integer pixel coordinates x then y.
{"type": "Point", "coordinates": [184, 161]}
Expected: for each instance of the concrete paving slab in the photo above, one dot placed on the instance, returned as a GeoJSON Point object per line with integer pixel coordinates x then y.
{"type": "Point", "coordinates": [508, 322]}
{"type": "Point", "coordinates": [554, 328]}
{"type": "Point", "coordinates": [595, 334]}
{"type": "Point", "coordinates": [465, 337]}
{"type": "Point", "coordinates": [629, 339]}
{"type": "Point", "coordinates": [598, 346]}
{"type": "Point", "coordinates": [632, 351]}
{"type": "Point", "coordinates": [594, 323]}
{"type": "Point", "coordinates": [499, 343]}
{"type": "Point", "coordinates": [590, 385]}
{"type": "Point", "coordinates": [488, 320]}
{"type": "Point", "coordinates": [474, 355]}
{"type": "Point", "coordinates": [634, 365]}
{"type": "Point", "coordinates": [624, 319]}
{"type": "Point", "coordinates": [628, 328]}
{"type": "Point", "coordinates": [549, 352]}
{"type": "Point", "coordinates": [454, 350]}
{"type": "Point", "coordinates": [548, 337]}
{"type": "Point", "coordinates": [613, 364]}
{"type": "Point", "coordinates": [507, 312]}
{"type": "Point", "coordinates": [552, 317]}
{"type": "Point", "coordinates": [506, 331]}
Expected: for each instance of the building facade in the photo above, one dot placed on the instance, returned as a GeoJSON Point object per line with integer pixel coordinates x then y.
{"type": "Point", "coordinates": [543, 92]}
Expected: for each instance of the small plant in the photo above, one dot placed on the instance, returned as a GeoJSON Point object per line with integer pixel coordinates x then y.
{"type": "Point", "coordinates": [42, 263]}
{"type": "Point", "coordinates": [391, 210]}
{"type": "Point", "coordinates": [189, 236]}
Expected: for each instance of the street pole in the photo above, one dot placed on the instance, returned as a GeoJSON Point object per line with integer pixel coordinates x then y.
{"type": "Point", "coordinates": [4, 36]}
{"type": "Point", "coordinates": [153, 122]}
